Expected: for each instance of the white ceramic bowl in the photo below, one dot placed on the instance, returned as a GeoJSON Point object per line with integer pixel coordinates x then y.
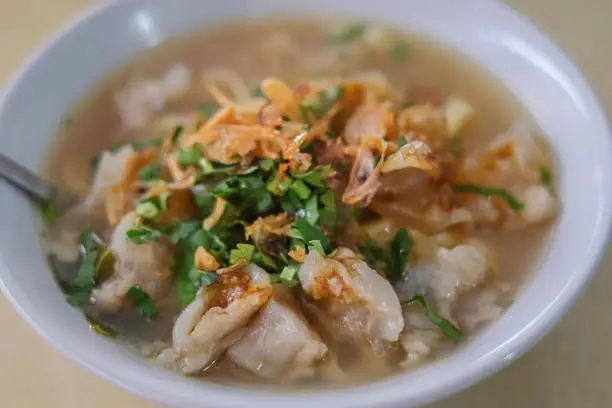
{"type": "Point", "coordinates": [541, 76]}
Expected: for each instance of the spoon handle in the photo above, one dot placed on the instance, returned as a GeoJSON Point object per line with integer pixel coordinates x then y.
{"type": "Point", "coordinates": [26, 181]}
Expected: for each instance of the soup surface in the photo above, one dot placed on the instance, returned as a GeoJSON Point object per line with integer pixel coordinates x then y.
{"type": "Point", "coordinates": [298, 203]}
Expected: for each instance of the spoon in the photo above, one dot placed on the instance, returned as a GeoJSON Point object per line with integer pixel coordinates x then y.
{"type": "Point", "coordinates": [37, 189]}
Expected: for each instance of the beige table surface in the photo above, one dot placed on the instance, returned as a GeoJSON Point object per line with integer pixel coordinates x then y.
{"type": "Point", "coordinates": [570, 368]}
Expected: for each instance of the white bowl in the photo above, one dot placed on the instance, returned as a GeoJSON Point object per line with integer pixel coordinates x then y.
{"type": "Point", "coordinates": [537, 71]}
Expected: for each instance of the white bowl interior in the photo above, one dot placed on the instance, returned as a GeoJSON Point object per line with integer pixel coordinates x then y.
{"type": "Point", "coordinates": [538, 73]}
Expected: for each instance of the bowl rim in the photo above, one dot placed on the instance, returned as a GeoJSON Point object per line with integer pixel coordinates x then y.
{"type": "Point", "coordinates": [539, 326]}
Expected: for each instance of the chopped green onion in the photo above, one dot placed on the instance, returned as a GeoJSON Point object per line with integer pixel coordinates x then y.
{"type": "Point", "coordinates": [266, 164]}
{"type": "Point", "coordinates": [279, 187]}
{"type": "Point", "coordinates": [512, 202]}
{"type": "Point", "coordinates": [243, 251]}
{"type": "Point", "coordinates": [288, 275]}
{"type": "Point", "coordinates": [312, 210]}
{"type": "Point", "coordinates": [447, 327]}
{"type": "Point", "coordinates": [162, 199]}
{"type": "Point", "coordinates": [265, 261]}
{"type": "Point", "coordinates": [301, 189]}
{"type": "Point", "coordinates": [316, 246]}
{"type": "Point", "coordinates": [147, 210]}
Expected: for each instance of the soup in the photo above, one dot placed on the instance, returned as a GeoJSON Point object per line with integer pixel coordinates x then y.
{"type": "Point", "coordinates": [298, 203]}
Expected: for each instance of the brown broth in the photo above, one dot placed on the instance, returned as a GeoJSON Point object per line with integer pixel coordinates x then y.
{"type": "Point", "coordinates": [95, 124]}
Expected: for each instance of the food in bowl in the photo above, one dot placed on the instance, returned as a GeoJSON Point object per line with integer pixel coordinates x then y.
{"type": "Point", "coordinates": [299, 202]}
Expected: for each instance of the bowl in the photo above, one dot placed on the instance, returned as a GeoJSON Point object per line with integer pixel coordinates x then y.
{"type": "Point", "coordinates": [540, 75]}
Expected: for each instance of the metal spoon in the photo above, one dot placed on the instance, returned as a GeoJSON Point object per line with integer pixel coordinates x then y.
{"type": "Point", "coordinates": [29, 183]}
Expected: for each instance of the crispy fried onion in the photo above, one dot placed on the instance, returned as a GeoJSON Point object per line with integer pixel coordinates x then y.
{"type": "Point", "coordinates": [272, 224]}
{"type": "Point", "coordinates": [364, 179]}
{"type": "Point", "coordinates": [216, 214]}
{"type": "Point", "coordinates": [205, 261]}
{"type": "Point", "coordinates": [414, 154]}
{"type": "Point", "coordinates": [298, 253]}
{"type": "Point", "coordinates": [119, 198]}
{"type": "Point", "coordinates": [284, 98]}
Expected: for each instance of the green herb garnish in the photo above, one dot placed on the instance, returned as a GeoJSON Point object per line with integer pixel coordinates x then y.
{"type": "Point", "coordinates": [545, 176]}
{"type": "Point", "coordinates": [456, 147]}
{"type": "Point", "coordinates": [151, 172]}
{"type": "Point", "coordinates": [311, 210]}
{"type": "Point", "coordinates": [147, 210]}
{"type": "Point", "coordinates": [304, 232]}
{"type": "Point", "coordinates": [266, 164]}
{"type": "Point", "coordinates": [141, 234]}
{"type": "Point", "coordinates": [202, 279]}
{"type": "Point", "coordinates": [321, 103]}
{"type": "Point", "coordinates": [190, 157]}
{"type": "Point", "coordinates": [50, 213]}
{"type": "Point", "coordinates": [143, 302]}
{"type": "Point", "coordinates": [81, 286]}
{"type": "Point", "coordinates": [188, 278]}
{"type": "Point", "coordinates": [398, 51]}
{"type": "Point", "coordinates": [257, 93]}
{"type": "Point", "coordinates": [512, 202]}
{"type": "Point", "coordinates": [447, 327]}
{"type": "Point", "coordinates": [184, 230]}
{"type": "Point", "coordinates": [400, 248]}
{"type": "Point", "coordinates": [279, 187]}
{"type": "Point", "coordinates": [316, 177]}
{"type": "Point", "coordinates": [346, 34]}
{"type": "Point", "coordinates": [206, 109]}
{"type": "Point", "coordinates": [391, 260]}
{"type": "Point", "coordinates": [329, 211]}
{"type": "Point", "coordinates": [316, 246]}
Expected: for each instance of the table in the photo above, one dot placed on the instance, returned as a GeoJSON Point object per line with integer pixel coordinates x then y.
{"type": "Point", "coordinates": [570, 368]}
